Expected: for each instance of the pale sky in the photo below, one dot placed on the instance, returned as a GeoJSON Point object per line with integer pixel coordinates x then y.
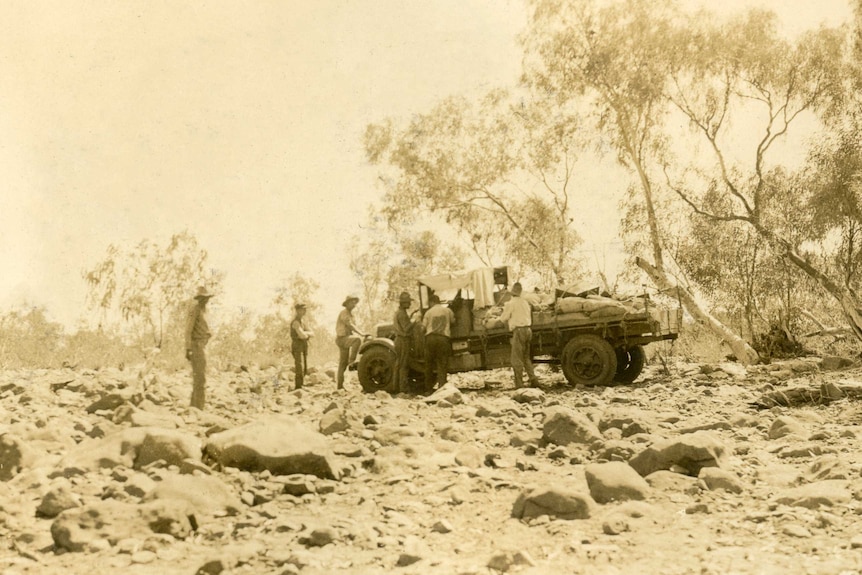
{"type": "Point", "coordinates": [121, 121]}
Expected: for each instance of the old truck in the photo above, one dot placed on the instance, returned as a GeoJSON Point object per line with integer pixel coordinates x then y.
{"type": "Point", "coordinates": [595, 340]}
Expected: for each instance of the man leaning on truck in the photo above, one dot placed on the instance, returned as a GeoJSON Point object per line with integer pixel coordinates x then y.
{"type": "Point", "coordinates": [438, 322]}
{"type": "Point", "coordinates": [517, 313]}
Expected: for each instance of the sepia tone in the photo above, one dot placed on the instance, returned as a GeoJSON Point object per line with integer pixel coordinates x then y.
{"type": "Point", "coordinates": [190, 190]}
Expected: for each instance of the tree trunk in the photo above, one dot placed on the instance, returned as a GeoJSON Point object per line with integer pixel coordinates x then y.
{"type": "Point", "coordinates": [744, 353]}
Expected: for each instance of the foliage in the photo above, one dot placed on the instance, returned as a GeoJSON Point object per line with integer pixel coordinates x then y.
{"type": "Point", "coordinates": [489, 168]}
{"type": "Point", "coordinates": [149, 284]}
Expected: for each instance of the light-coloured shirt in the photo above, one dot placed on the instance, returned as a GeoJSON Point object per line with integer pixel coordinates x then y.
{"type": "Point", "coordinates": [517, 313]}
{"type": "Point", "coordinates": [344, 325]}
{"type": "Point", "coordinates": [438, 320]}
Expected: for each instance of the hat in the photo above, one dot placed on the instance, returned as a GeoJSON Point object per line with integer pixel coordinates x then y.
{"type": "Point", "coordinates": [404, 297]}
{"type": "Point", "coordinates": [349, 299]}
{"type": "Point", "coordinates": [203, 293]}
{"type": "Point", "coordinates": [516, 288]}
{"type": "Point", "coordinates": [299, 305]}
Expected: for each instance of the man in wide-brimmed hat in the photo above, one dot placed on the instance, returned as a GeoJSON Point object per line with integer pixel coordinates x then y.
{"type": "Point", "coordinates": [299, 336]}
{"type": "Point", "coordinates": [197, 336]}
{"type": "Point", "coordinates": [403, 341]}
{"type": "Point", "coordinates": [347, 338]}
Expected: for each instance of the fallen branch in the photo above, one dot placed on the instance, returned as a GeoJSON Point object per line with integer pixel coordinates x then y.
{"type": "Point", "coordinates": [835, 332]}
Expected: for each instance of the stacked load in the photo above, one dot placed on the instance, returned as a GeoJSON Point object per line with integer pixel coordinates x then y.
{"type": "Point", "coordinates": [596, 308]}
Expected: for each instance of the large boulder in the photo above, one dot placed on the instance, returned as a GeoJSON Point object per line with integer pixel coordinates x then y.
{"type": "Point", "coordinates": [118, 448]}
{"type": "Point", "coordinates": [615, 481]}
{"type": "Point", "coordinates": [173, 447]}
{"type": "Point", "coordinates": [280, 443]}
{"type": "Point", "coordinates": [554, 502]}
{"type": "Point", "coordinates": [689, 453]}
{"type": "Point", "coordinates": [76, 529]}
{"type": "Point", "coordinates": [563, 426]}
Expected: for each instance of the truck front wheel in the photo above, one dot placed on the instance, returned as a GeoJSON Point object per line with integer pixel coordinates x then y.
{"type": "Point", "coordinates": [589, 360]}
{"type": "Point", "coordinates": [376, 369]}
{"type": "Point", "coordinates": [630, 363]}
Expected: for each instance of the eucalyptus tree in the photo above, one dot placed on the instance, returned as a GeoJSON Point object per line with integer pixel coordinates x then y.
{"type": "Point", "coordinates": [500, 171]}
{"type": "Point", "coordinates": [745, 74]}
{"type": "Point", "coordinates": [149, 284]}
{"type": "Point", "coordinates": [614, 57]}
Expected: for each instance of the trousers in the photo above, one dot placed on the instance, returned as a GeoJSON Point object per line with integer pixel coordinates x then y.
{"type": "Point", "coordinates": [522, 356]}
{"type": "Point", "coordinates": [199, 374]}
{"type": "Point", "coordinates": [348, 349]}
{"type": "Point", "coordinates": [437, 351]}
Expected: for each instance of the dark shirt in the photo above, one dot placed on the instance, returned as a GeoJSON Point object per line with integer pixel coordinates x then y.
{"type": "Point", "coordinates": [403, 324]}
{"type": "Point", "coordinates": [197, 329]}
{"type": "Point", "coordinates": [298, 336]}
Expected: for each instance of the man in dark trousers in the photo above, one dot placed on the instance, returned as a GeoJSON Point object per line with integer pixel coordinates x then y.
{"type": "Point", "coordinates": [299, 336]}
{"type": "Point", "coordinates": [438, 322]}
{"type": "Point", "coordinates": [403, 341]}
{"type": "Point", "coordinates": [197, 336]}
{"type": "Point", "coordinates": [519, 316]}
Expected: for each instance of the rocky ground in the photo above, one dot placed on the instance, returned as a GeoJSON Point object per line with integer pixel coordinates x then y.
{"type": "Point", "coordinates": [110, 471]}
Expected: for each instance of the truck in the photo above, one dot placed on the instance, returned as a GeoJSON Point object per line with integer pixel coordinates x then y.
{"type": "Point", "coordinates": [594, 339]}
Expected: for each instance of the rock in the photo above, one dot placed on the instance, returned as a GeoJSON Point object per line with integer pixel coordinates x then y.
{"type": "Point", "coordinates": [211, 567]}
{"type": "Point", "coordinates": [665, 480]}
{"type": "Point", "coordinates": [554, 502]}
{"type": "Point", "coordinates": [393, 434]}
{"type": "Point", "coordinates": [298, 485]}
{"type": "Point", "coordinates": [806, 449]}
{"type": "Point", "coordinates": [616, 450]}
{"type": "Point", "coordinates": [828, 493]}
{"type": "Point", "coordinates": [615, 481]}
{"type": "Point", "coordinates": [827, 467]}
{"type": "Point", "coordinates": [735, 370]}
{"type": "Point", "coordinates": [564, 426]}
{"type": "Point", "coordinates": [453, 433]}
{"type": "Point", "coordinates": [714, 479]}
{"type": "Point", "coordinates": [831, 363]}
{"type": "Point", "coordinates": [529, 395]}
{"type": "Point", "coordinates": [469, 456]}
{"type": "Point", "coordinates": [796, 530]}
{"type": "Point", "coordinates": [615, 524]}
{"type": "Point", "coordinates": [526, 438]}
{"type": "Point", "coordinates": [171, 446]}
{"type": "Point", "coordinates": [785, 425]}
{"type": "Point", "coordinates": [15, 455]}
{"type": "Point", "coordinates": [336, 421]}
{"type": "Point", "coordinates": [321, 536]}
{"type": "Point", "coordinates": [203, 494]}
{"type": "Point", "coordinates": [690, 453]}
{"type": "Point", "coordinates": [57, 500]}
{"type": "Point", "coordinates": [442, 526]}
{"type": "Point", "coordinates": [115, 449]}
{"type": "Point", "coordinates": [414, 551]}
{"type": "Point", "coordinates": [76, 529]}
{"type": "Point", "coordinates": [109, 402]}
{"type": "Point", "coordinates": [280, 444]}
{"type": "Point", "coordinates": [448, 393]}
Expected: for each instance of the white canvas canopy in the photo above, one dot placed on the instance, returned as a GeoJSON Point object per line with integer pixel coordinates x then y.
{"type": "Point", "coordinates": [479, 281]}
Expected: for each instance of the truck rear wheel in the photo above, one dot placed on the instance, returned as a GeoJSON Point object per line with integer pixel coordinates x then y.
{"type": "Point", "coordinates": [630, 363]}
{"type": "Point", "coordinates": [589, 360]}
{"type": "Point", "coordinates": [376, 369]}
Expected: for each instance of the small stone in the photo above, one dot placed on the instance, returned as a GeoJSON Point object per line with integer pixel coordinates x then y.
{"type": "Point", "coordinates": [615, 524]}
{"type": "Point", "coordinates": [321, 536]}
{"type": "Point", "coordinates": [796, 530]}
{"type": "Point", "coordinates": [143, 557]}
{"type": "Point", "coordinates": [213, 567]}
{"type": "Point", "coordinates": [442, 526]}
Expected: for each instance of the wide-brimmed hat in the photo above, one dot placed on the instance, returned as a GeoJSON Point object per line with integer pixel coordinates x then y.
{"type": "Point", "coordinates": [299, 305]}
{"type": "Point", "coordinates": [404, 297]}
{"type": "Point", "coordinates": [349, 299]}
{"type": "Point", "coordinates": [203, 293]}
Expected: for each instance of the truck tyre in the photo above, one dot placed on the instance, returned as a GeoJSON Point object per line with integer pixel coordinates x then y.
{"type": "Point", "coordinates": [376, 369]}
{"type": "Point", "coordinates": [630, 363]}
{"type": "Point", "coordinates": [589, 360]}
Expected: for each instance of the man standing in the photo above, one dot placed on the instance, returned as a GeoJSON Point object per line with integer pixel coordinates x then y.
{"type": "Point", "coordinates": [438, 322]}
{"type": "Point", "coordinates": [197, 336]}
{"type": "Point", "coordinates": [403, 341]}
{"type": "Point", "coordinates": [347, 338]}
{"type": "Point", "coordinates": [517, 313]}
{"type": "Point", "coordinates": [299, 336]}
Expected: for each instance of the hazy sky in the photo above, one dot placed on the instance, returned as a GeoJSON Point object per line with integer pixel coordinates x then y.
{"type": "Point", "coordinates": [123, 120]}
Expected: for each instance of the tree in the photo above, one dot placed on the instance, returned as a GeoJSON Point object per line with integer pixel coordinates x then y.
{"type": "Point", "coordinates": [746, 71]}
{"type": "Point", "coordinates": [149, 284]}
{"type": "Point", "coordinates": [614, 57]}
{"type": "Point", "coordinates": [489, 169]}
